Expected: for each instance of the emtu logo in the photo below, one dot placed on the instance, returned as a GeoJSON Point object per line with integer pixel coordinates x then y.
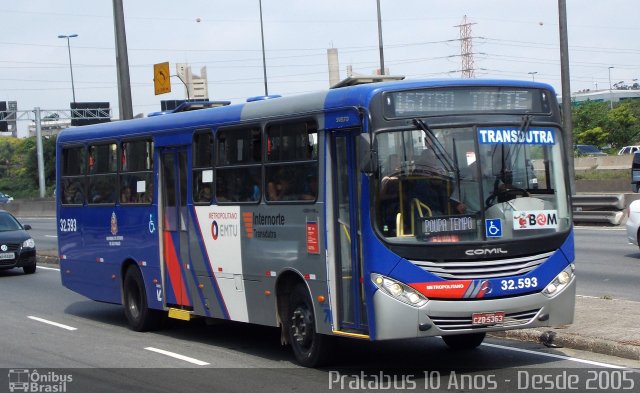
{"type": "Point", "coordinates": [247, 218]}
{"type": "Point", "coordinates": [214, 230]}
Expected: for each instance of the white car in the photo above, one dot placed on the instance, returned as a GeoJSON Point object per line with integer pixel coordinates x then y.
{"type": "Point", "coordinates": [628, 150]}
{"type": "Point", "coordinates": [633, 222]}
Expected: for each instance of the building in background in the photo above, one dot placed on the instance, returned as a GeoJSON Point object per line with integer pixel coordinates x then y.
{"type": "Point", "coordinates": [615, 95]}
{"type": "Point", "coordinates": [196, 87]}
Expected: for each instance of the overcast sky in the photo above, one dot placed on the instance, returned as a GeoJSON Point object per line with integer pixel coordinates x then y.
{"type": "Point", "coordinates": [511, 39]}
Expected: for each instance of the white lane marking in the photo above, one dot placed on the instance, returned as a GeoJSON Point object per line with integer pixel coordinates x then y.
{"type": "Point", "coordinates": [553, 355]}
{"type": "Point", "coordinates": [601, 228]}
{"type": "Point", "coordinates": [177, 356]}
{"type": "Point", "coordinates": [50, 235]}
{"type": "Point", "coordinates": [48, 268]}
{"type": "Point", "coordinates": [589, 297]}
{"type": "Point", "coordinates": [52, 323]}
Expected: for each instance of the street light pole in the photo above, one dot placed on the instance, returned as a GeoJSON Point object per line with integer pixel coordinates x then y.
{"type": "Point", "coordinates": [610, 91]}
{"type": "Point", "coordinates": [68, 37]}
{"type": "Point", "coordinates": [533, 75]}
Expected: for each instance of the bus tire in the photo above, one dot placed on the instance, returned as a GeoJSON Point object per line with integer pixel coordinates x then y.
{"type": "Point", "coordinates": [136, 310]}
{"type": "Point", "coordinates": [464, 341]}
{"type": "Point", "coordinates": [310, 348]}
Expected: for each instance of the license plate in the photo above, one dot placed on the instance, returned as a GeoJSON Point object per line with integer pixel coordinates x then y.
{"type": "Point", "coordinates": [487, 318]}
{"type": "Point", "coordinates": [7, 255]}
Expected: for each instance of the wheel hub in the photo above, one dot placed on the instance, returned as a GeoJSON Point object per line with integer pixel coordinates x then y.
{"type": "Point", "coordinates": [301, 326]}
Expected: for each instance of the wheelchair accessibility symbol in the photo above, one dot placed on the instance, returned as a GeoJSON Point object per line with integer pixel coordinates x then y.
{"type": "Point", "coordinates": [493, 227]}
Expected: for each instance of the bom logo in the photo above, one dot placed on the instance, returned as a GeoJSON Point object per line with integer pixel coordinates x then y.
{"type": "Point", "coordinates": [539, 219]}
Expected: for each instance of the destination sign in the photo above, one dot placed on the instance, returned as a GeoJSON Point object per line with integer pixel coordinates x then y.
{"type": "Point", "coordinates": [472, 99]}
{"type": "Point", "coordinates": [447, 225]}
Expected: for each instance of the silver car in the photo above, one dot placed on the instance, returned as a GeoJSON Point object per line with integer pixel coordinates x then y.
{"type": "Point", "coordinates": [4, 198]}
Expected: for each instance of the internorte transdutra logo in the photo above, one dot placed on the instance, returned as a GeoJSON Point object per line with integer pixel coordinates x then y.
{"type": "Point", "coordinates": [32, 381]}
{"type": "Point", "coordinates": [262, 225]}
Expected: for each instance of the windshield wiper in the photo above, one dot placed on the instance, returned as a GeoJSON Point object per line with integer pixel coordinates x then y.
{"type": "Point", "coordinates": [523, 131]}
{"type": "Point", "coordinates": [442, 154]}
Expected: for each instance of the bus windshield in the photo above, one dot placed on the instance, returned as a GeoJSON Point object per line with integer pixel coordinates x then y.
{"type": "Point", "coordinates": [473, 184]}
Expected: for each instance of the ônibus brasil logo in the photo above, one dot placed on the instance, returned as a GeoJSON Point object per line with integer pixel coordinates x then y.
{"type": "Point", "coordinates": [25, 380]}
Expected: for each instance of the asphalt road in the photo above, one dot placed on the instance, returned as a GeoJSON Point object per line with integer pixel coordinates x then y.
{"type": "Point", "coordinates": [606, 265]}
{"type": "Point", "coordinates": [50, 329]}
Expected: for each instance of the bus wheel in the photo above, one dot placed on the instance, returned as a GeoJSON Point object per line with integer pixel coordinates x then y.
{"type": "Point", "coordinates": [310, 348]}
{"type": "Point", "coordinates": [464, 341]}
{"type": "Point", "coordinates": [138, 314]}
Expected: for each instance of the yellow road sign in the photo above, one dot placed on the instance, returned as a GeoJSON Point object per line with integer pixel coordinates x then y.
{"type": "Point", "coordinates": [161, 78]}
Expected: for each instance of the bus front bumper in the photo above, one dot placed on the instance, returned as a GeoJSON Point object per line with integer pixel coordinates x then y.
{"type": "Point", "coordinates": [395, 320]}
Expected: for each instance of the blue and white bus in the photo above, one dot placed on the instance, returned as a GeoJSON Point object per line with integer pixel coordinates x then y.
{"type": "Point", "coordinates": [378, 211]}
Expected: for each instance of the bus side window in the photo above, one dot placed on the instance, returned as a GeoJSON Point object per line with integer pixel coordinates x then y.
{"type": "Point", "coordinates": [72, 176]}
{"type": "Point", "coordinates": [136, 172]}
{"type": "Point", "coordinates": [291, 167]}
{"type": "Point", "coordinates": [239, 165]}
{"type": "Point", "coordinates": [202, 173]}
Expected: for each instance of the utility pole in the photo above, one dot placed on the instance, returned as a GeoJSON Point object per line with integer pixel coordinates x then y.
{"type": "Point", "coordinates": [566, 92]}
{"type": "Point", "coordinates": [39, 151]}
{"type": "Point", "coordinates": [122, 63]}
{"type": "Point", "coordinates": [380, 40]}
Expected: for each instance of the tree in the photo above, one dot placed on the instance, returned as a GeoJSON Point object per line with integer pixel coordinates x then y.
{"type": "Point", "coordinates": [597, 123]}
{"type": "Point", "coordinates": [19, 166]}
{"type": "Point", "coordinates": [594, 136]}
{"type": "Point", "coordinates": [589, 115]}
{"type": "Point", "coordinates": [623, 125]}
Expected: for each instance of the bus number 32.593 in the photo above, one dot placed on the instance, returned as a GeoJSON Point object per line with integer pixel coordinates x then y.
{"type": "Point", "coordinates": [68, 225]}
{"type": "Point", "coordinates": [519, 284]}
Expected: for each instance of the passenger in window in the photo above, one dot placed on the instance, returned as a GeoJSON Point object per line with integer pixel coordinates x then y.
{"type": "Point", "coordinates": [125, 195]}
{"type": "Point", "coordinates": [311, 188]}
{"type": "Point", "coordinates": [73, 194]}
{"type": "Point", "coordinates": [279, 189]}
{"type": "Point", "coordinates": [92, 160]}
{"type": "Point", "coordinates": [272, 187]}
{"type": "Point", "coordinates": [205, 194]}
{"type": "Point", "coordinates": [255, 188]}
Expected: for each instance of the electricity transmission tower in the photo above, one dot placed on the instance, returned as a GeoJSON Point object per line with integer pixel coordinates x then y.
{"type": "Point", "coordinates": [466, 48]}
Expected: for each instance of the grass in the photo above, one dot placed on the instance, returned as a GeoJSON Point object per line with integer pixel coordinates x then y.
{"type": "Point", "coordinates": [603, 174]}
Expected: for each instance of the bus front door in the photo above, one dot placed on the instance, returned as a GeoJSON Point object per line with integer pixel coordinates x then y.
{"type": "Point", "coordinates": [348, 267]}
{"type": "Point", "coordinates": [173, 201]}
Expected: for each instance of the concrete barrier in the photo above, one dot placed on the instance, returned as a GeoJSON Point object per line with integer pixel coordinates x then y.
{"type": "Point", "coordinates": [591, 163]}
{"type": "Point", "coordinates": [602, 208]}
{"type": "Point", "coordinates": [31, 207]}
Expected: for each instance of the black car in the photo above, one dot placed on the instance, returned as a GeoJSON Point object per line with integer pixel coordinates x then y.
{"type": "Point", "coordinates": [17, 248]}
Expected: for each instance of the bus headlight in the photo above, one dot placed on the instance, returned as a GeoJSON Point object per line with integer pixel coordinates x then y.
{"type": "Point", "coordinates": [561, 281]}
{"type": "Point", "coordinates": [399, 291]}
{"type": "Point", "coordinates": [29, 243]}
